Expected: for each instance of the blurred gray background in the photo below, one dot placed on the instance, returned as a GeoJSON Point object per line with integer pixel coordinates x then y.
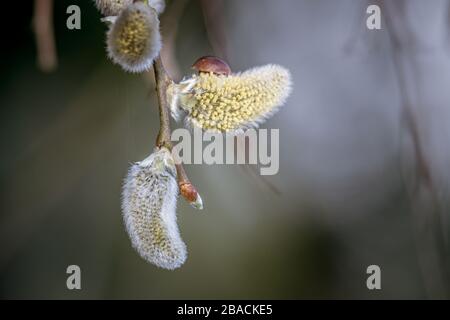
{"type": "Point", "coordinates": [364, 157]}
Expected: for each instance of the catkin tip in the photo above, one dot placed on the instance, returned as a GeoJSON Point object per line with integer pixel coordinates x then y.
{"type": "Point", "coordinates": [149, 196]}
{"type": "Point", "coordinates": [112, 7]}
{"type": "Point", "coordinates": [134, 40]}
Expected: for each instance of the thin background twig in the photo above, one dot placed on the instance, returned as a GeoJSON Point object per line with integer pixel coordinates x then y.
{"type": "Point", "coordinates": [424, 200]}
{"type": "Point", "coordinates": [45, 39]}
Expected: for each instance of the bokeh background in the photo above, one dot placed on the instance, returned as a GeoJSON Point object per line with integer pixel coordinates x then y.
{"type": "Point", "coordinates": [364, 156]}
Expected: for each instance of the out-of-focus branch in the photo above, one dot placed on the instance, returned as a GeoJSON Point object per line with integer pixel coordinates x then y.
{"type": "Point", "coordinates": [251, 170]}
{"type": "Point", "coordinates": [45, 39]}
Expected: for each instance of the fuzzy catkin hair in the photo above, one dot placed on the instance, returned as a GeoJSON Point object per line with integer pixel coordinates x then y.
{"type": "Point", "coordinates": [134, 40]}
{"type": "Point", "coordinates": [149, 200]}
{"type": "Point", "coordinates": [230, 103]}
{"type": "Point", "coordinates": [112, 7]}
{"type": "Point", "coordinates": [158, 5]}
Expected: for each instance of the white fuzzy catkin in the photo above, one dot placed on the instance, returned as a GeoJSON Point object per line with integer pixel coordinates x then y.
{"type": "Point", "coordinates": [112, 7]}
{"type": "Point", "coordinates": [230, 103]}
{"type": "Point", "coordinates": [149, 200]}
{"type": "Point", "coordinates": [134, 40]}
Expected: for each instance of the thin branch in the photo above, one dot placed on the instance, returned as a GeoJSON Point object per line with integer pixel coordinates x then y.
{"type": "Point", "coordinates": [45, 39]}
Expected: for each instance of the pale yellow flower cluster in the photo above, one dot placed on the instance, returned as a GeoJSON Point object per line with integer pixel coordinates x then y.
{"type": "Point", "coordinates": [134, 39]}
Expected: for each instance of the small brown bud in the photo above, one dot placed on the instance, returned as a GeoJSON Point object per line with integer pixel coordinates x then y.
{"type": "Point", "coordinates": [191, 195]}
{"type": "Point", "coordinates": [212, 64]}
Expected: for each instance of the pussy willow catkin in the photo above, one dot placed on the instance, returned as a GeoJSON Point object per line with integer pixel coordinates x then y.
{"type": "Point", "coordinates": [149, 200]}
{"type": "Point", "coordinates": [230, 103]}
{"type": "Point", "coordinates": [134, 40]}
{"type": "Point", "coordinates": [114, 7]}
